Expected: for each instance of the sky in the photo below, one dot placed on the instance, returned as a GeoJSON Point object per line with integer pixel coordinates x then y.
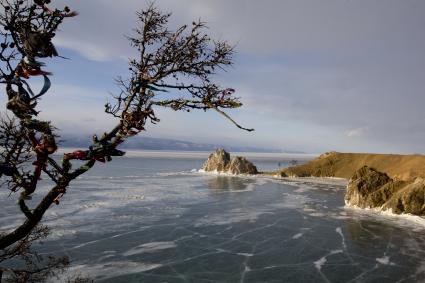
{"type": "Point", "coordinates": [314, 76]}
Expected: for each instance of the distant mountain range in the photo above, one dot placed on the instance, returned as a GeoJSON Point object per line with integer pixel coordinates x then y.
{"type": "Point", "coordinates": [147, 143]}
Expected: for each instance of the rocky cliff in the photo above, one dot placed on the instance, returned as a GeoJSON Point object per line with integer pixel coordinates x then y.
{"type": "Point", "coordinates": [219, 161]}
{"type": "Point", "coordinates": [369, 188]}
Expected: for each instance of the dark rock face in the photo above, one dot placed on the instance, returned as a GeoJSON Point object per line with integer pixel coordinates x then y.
{"type": "Point", "coordinates": [220, 161]}
{"type": "Point", "coordinates": [369, 188]}
{"type": "Point", "coordinates": [239, 165]}
{"type": "Point", "coordinates": [410, 199]}
{"type": "Point", "coordinates": [364, 182]}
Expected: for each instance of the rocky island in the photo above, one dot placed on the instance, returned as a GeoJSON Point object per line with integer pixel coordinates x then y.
{"type": "Point", "coordinates": [220, 161]}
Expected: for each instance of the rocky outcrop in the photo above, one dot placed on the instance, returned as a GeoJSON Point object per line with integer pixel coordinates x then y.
{"type": "Point", "coordinates": [369, 188]}
{"type": "Point", "coordinates": [239, 165]}
{"type": "Point", "coordinates": [409, 199]}
{"type": "Point", "coordinates": [219, 161]}
{"type": "Point", "coordinates": [362, 185]}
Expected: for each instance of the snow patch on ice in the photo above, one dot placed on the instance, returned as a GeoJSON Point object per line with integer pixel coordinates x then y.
{"type": "Point", "coordinates": [297, 236]}
{"type": "Point", "coordinates": [245, 254]}
{"type": "Point", "coordinates": [111, 269]}
{"type": "Point", "coordinates": [319, 263]}
{"type": "Point", "coordinates": [150, 248]}
{"type": "Point", "coordinates": [322, 261]}
{"type": "Point", "coordinates": [385, 260]}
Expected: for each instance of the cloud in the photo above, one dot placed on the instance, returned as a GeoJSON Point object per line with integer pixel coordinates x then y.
{"type": "Point", "coordinates": [272, 27]}
{"type": "Point", "coordinates": [88, 49]}
{"type": "Point", "coordinates": [324, 66]}
{"type": "Point", "coordinates": [357, 132]}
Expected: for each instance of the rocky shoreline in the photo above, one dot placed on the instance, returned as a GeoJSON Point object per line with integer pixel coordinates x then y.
{"type": "Point", "coordinates": [367, 188]}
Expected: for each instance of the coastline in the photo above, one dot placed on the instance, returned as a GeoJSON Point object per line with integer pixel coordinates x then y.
{"type": "Point", "coordinates": [317, 180]}
{"type": "Point", "coordinates": [332, 181]}
{"type": "Point", "coordinates": [274, 176]}
{"type": "Point", "coordinates": [388, 214]}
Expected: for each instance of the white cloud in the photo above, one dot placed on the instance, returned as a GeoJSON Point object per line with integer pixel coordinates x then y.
{"type": "Point", "coordinates": [88, 49]}
{"type": "Point", "coordinates": [357, 132]}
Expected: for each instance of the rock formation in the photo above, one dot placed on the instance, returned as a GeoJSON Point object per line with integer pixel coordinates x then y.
{"type": "Point", "coordinates": [369, 188]}
{"type": "Point", "coordinates": [365, 182]}
{"type": "Point", "coordinates": [239, 165]}
{"type": "Point", "coordinates": [219, 161]}
{"type": "Point", "coordinates": [409, 199]}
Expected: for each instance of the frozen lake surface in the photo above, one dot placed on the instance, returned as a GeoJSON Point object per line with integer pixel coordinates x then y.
{"type": "Point", "coordinates": [151, 218]}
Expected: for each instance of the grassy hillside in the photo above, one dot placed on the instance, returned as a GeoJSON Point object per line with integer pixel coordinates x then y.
{"type": "Point", "coordinates": [343, 165]}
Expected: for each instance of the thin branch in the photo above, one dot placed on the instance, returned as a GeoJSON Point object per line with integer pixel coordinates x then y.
{"type": "Point", "coordinates": [233, 121]}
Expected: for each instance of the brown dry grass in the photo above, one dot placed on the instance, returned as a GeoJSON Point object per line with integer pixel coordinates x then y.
{"type": "Point", "coordinates": [343, 165]}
